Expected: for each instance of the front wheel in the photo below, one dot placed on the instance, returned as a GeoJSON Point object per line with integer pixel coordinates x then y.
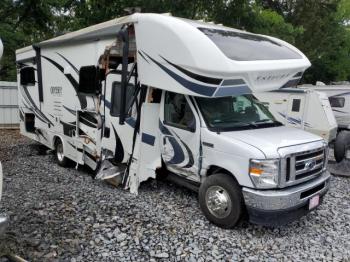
{"type": "Point", "coordinates": [342, 143]}
{"type": "Point", "coordinates": [221, 200]}
{"type": "Point", "coordinates": [62, 160]}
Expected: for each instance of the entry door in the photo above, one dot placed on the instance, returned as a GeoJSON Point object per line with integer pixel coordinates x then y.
{"type": "Point", "coordinates": [117, 138]}
{"type": "Point", "coordinates": [180, 135]}
{"type": "Point", "coordinates": [296, 108]}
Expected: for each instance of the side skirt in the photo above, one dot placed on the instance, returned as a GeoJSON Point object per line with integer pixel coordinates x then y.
{"type": "Point", "coordinates": [182, 181]}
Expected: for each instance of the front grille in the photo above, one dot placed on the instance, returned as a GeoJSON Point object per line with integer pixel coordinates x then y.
{"type": "Point", "coordinates": [303, 166]}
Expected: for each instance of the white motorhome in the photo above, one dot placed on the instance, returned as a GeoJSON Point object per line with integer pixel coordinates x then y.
{"type": "Point", "coordinates": [3, 218]}
{"type": "Point", "coordinates": [302, 108]}
{"type": "Point", "coordinates": [149, 92]}
{"type": "Point", "coordinates": [339, 99]}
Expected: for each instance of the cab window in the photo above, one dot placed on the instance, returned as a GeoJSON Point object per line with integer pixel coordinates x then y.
{"type": "Point", "coordinates": [177, 112]}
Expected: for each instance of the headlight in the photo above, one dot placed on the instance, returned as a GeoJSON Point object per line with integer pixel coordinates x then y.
{"type": "Point", "coordinates": [264, 173]}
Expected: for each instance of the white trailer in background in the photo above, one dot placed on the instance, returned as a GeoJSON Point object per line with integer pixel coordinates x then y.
{"type": "Point", "coordinates": [3, 218]}
{"type": "Point", "coordinates": [302, 108]}
{"type": "Point", "coordinates": [9, 117]}
{"type": "Point", "coordinates": [339, 99]}
{"type": "Point", "coordinates": [149, 92]}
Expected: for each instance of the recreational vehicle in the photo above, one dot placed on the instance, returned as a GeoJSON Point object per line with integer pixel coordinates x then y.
{"type": "Point", "coordinates": [302, 108]}
{"type": "Point", "coordinates": [146, 93]}
{"type": "Point", "coordinates": [339, 98]}
{"type": "Point", "coordinates": [3, 218]}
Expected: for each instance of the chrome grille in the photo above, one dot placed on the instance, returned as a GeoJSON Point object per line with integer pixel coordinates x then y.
{"type": "Point", "coordinates": [303, 166]}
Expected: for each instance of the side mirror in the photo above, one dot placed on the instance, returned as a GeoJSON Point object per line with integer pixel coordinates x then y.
{"type": "Point", "coordinates": [89, 80]}
{"type": "Point", "coordinates": [27, 75]}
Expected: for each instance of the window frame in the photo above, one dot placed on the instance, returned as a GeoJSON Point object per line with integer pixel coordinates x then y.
{"type": "Point", "coordinates": [165, 122]}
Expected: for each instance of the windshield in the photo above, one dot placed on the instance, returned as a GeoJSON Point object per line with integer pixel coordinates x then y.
{"type": "Point", "coordinates": [235, 113]}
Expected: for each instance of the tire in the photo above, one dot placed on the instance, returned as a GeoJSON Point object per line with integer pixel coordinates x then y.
{"type": "Point", "coordinates": [341, 145]}
{"type": "Point", "coordinates": [227, 189]}
{"type": "Point", "coordinates": [61, 159]}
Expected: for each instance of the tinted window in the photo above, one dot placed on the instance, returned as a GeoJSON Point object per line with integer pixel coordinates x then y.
{"type": "Point", "coordinates": [248, 47]}
{"type": "Point", "coordinates": [296, 105]}
{"type": "Point", "coordinates": [177, 111]}
{"type": "Point", "coordinates": [115, 99]}
{"type": "Point", "coordinates": [337, 101]}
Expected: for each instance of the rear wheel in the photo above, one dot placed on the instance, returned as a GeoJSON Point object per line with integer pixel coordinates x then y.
{"type": "Point", "coordinates": [221, 200]}
{"type": "Point", "coordinates": [342, 143]}
{"type": "Point", "coordinates": [62, 160]}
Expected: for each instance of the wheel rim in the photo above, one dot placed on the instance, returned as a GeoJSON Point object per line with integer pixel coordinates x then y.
{"type": "Point", "coordinates": [218, 201]}
{"type": "Point", "coordinates": [59, 152]}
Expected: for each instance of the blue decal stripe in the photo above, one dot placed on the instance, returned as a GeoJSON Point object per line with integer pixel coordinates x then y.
{"type": "Point", "coordinates": [200, 78]}
{"type": "Point", "coordinates": [163, 129]}
{"type": "Point", "coordinates": [70, 78]}
{"type": "Point", "coordinates": [233, 82]}
{"type": "Point", "coordinates": [194, 87]}
{"type": "Point", "coordinates": [65, 59]}
{"type": "Point", "coordinates": [293, 120]}
{"type": "Point", "coordinates": [190, 162]}
{"type": "Point", "coordinates": [148, 139]}
{"type": "Point", "coordinates": [179, 155]}
{"type": "Point", "coordinates": [143, 57]}
{"type": "Point", "coordinates": [69, 110]}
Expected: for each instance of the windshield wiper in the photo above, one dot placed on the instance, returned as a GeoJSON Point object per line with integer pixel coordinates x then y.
{"type": "Point", "coordinates": [250, 124]}
{"type": "Point", "coordinates": [265, 121]}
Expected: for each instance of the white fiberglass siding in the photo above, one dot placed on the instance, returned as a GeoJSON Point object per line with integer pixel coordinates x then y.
{"type": "Point", "coordinates": [9, 117]}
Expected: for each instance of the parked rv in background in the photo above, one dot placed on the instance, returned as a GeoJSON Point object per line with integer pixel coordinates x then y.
{"type": "Point", "coordinates": [151, 92]}
{"type": "Point", "coordinates": [339, 99]}
{"type": "Point", "coordinates": [302, 108]}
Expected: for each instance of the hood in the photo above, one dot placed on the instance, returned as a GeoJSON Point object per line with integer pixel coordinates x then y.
{"type": "Point", "coordinates": [269, 140]}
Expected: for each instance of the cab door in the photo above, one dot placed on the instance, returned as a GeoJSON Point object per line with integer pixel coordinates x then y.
{"type": "Point", "coordinates": [180, 135]}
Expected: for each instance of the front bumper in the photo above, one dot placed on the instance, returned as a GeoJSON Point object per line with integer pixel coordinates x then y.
{"type": "Point", "coordinates": [281, 206]}
{"type": "Point", "coordinates": [3, 224]}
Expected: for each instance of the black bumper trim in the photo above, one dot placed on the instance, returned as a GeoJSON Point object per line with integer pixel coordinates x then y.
{"type": "Point", "coordinates": [278, 217]}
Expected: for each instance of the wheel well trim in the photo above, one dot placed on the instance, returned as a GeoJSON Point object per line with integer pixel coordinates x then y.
{"type": "Point", "coordinates": [213, 169]}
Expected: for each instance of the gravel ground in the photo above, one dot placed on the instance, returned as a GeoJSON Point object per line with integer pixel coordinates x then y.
{"type": "Point", "coordinates": [60, 214]}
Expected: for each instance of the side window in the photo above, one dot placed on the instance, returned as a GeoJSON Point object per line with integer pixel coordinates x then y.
{"type": "Point", "coordinates": [177, 112]}
{"type": "Point", "coordinates": [296, 105]}
{"type": "Point", "coordinates": [27, 76]}
{"type": "Point", "coordinates": [337, 101]}
{"type": "Point", "coordinates": [115, 97]}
